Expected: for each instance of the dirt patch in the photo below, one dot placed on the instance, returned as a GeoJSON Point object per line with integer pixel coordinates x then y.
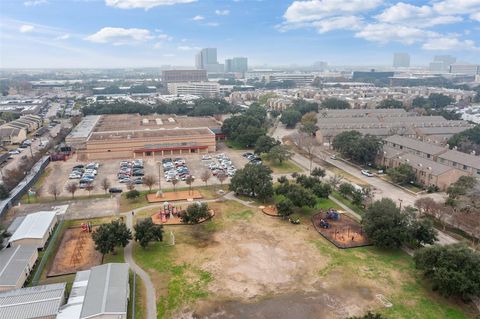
{"type": "Point", "coordinates": [76, 252]}
{"type": "Point", "coordinates": [251, 261]}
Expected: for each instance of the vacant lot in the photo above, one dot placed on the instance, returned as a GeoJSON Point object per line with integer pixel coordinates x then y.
{"type": "Point", "coordinates": [244, 264]}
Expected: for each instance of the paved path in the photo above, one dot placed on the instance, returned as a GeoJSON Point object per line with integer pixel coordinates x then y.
{"type": "Point", "coordinates": [150, 289]}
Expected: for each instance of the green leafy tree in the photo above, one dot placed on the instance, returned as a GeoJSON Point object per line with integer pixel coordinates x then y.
{"type": "Point", "coordinates": [146, 231]}
{"type": "Point", "coordinates": [109, 236]}
{"type": "Point", "coordinates": [4, 193]}
{"type": "Point", "coordinates": [334, 103]}
{"type": "Point", "coordinates": [254, 181]}
{"type": "Point", "coordinates": [390, 104]}
{"type": "Point", "coordinates": [298, 195]}
{"type": "Point", "coordinates": [284, 207]}
{"type": "Point", "coordinates": [402, 174]}
{"type": "Point", "coordinates": [279, 153]}
{"type": "Point", "coordinates": [304, 106]}
{"type": "Point", "coordinates": [359, 148]}
{"type": "Point", "coordinates": [290, 117]}
{"type": "Point", "coordinates": [452, 269]}
{"type": "Point", "coordinates": [346, 189]}
{"type": "Point", "coordinates": [438, 100]}
{"type": "Point", "coordinates": [264, 144]}
{"type": "Point", "coordinates": [195, 213]}
{"type": "Point", "coordinates": [385, 225]}
{"type": "Point", "coordinates": [420, 102]}
{"type": "Point", "coordinates": [422, 232]}
{"type": "Point", "coordinates": [318, 172]}
{"type": "Point", "coordinates": [322, 190]}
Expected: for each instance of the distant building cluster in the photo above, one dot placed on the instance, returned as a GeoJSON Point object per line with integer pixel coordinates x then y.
{"type": "Point", "coordinates": [24, 106]}
{"type": "Point", "coordinates": [15, 132]}
{"type": "Point", "coordinates": [386, 122]}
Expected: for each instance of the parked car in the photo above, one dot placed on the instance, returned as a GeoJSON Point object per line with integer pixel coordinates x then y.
{"type": "Point", "coordinates": [333, 157]}
{"type": "Point", "coordinates": [74, 176]}
{"type": "Point", "coordinates": [367, 173]}
{"type": "Point", "coordinates": [114, 190]}
{"type": "Point", "coordinates": [14, 152]}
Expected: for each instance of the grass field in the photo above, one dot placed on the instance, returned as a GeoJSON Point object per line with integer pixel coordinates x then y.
{"type": "Point", "coordinates": [360, 211]}
{"type": "Point", "coordinates": [286, 167]}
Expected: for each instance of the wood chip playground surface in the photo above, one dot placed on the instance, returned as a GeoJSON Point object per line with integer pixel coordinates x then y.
{"type": "Point", "coordinates": [345, 232]}
{"type": "Point", "coordinates": [174, 196]}
{"type": "Point", "coordinates": [75, 252]}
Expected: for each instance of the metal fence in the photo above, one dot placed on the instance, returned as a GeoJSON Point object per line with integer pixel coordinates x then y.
{"type": "Point", "coordinates": [24, 185]}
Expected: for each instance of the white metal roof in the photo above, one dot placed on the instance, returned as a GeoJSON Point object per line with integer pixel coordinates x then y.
{"type": "Point", "coordinates": [13, 263]}
{"type": "Point", "coordinates": [107, 291]}
{"type": "Point", "coordinates": [34, 226]}
{"type": "Point", "coordinates": [32, 302]}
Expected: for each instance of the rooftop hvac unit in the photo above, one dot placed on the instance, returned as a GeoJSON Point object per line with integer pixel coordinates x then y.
{"type": "Point", "coordinates": [145, 121]}
{"type": "Point", "coordinates": [429, 168]}
{"type": "Point", "coordinates": [420, 164]}
{"type": "Point", "coordinates": [171, 120]}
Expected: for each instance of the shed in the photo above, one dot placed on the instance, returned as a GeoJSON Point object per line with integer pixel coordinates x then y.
{"type": "Point", "coordinates": [15, 266]}
{"type": "Point", "coordinates": [35, 229]}
{"type": "Point", "coordinates": [32, 302]}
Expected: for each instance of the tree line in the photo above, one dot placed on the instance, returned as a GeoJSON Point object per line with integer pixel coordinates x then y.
{"type": "Point", "coordinates": [200, 107]}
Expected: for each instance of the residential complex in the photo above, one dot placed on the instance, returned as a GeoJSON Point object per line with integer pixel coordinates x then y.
{"type": "Point", "coordinates": [386, 122]}
{"type": "Point", "coordinates": [433, 164]}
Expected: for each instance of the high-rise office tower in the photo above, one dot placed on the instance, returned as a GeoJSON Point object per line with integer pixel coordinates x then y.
{"type": "Point", "coordinates": [447, 60]}
{"type": "Point", "coordinates": [236, 65]}
{"type": "Point", "coordinates": [206, 59]}
{"type": "Point", "coordinates": [401, 60]}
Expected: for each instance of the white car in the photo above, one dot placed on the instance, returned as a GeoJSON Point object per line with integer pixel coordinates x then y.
{"type": "Point", "coordinates": [367, 173]}
{"type": "Point", "coordinates": [14, 152]}
{"type": "Point", "coordinates": [74, 176]}
{"type": "Point", "coordinates": [206, 157]}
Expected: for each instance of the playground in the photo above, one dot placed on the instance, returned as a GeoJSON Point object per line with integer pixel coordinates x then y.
{"type": "Point", "coordinates": [170, 214]}
{"type": "Point", "coordinates": [75, 252]}
{"type": "Point", "coordinates": [340, 229]}
{"type": "Point", "coordinates": [174, 196]}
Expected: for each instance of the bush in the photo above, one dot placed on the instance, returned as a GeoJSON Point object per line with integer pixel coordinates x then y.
{"type": "Point", "coordinates": [133, 194]}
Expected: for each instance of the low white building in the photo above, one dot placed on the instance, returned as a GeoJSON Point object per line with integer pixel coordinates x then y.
{"type": "Point", "coordinates": [35, 229]}
{"type": "Point", "coordinates": [16, 263]}
{"type": "Point", "coordinates": [205, 89]}
{"type": "Point", "coordinates": [101, 292]}
{"type": "Point", "coordinates": [39, 302]}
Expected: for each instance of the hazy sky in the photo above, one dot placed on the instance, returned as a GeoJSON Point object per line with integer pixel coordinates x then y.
{"type": "Point", "coordinates": [133, 33]}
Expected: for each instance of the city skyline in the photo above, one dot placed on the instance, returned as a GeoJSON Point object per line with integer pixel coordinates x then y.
{"type": "Point", "coordinates": [141, 33]}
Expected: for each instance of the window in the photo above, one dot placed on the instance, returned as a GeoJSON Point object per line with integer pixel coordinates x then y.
{"type": "Point", "coordinates": [465, 167]}
{"type": "Point", "coordinates": [428, 155]}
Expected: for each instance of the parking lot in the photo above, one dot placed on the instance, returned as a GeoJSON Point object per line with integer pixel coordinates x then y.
{"type": "Point", "coordinates": [110, 169]}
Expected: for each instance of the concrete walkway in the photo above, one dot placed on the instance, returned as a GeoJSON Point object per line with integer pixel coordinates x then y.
{"type": "Point", "coordinates": [150, 289]}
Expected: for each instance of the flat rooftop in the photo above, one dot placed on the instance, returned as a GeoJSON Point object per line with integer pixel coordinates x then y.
{"type": "Point", "coordinates": [13, 262]}
{"type": "Point", "coordinates": [124, 122]}
{"type": "Point", "coordinates": [173, 132]}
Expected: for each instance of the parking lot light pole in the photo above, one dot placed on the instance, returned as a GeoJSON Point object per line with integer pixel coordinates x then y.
{"type": "Point", "coordinates": [160, 176]}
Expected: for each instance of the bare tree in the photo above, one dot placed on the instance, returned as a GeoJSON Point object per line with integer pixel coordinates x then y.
{"type": "Point", "coordinates": [425, 205]}
{"type": "Point", "coordinates": [54, 190]}
{"type": "Point", "coordinates": [105, 184]}
{"type": "Point", "coordinates": [174, 182]}
{"type": "Point", "coordinates": [206, 175]}
{"type": "Point", "coordinates": [72, 187]}
{"type": "Point", "coordinates": [307, 143]}
{"type": "Point", "coordinates": [149, 181]}
{"type": "Point", "coordinates": [190, 179]}
{"type": "Point", "coordinates": [90, 187]}
{"type": "Point", "coordinates": [131, 186]}
{"type": "Point", "coordinates": [335, 180]}
{"type": "Point", "coordinates": [221, 176]}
